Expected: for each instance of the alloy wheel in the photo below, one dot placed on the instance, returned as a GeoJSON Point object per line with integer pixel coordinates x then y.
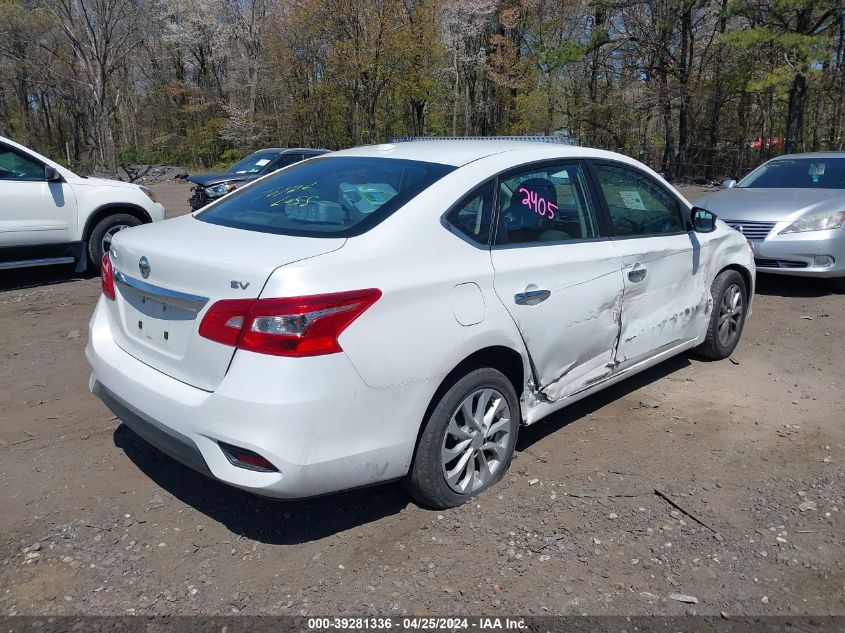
{"type": "Point", "coordinates": [730, 315]}
{"type": "Point", "coordinates": [107, 237]}
{"type": "Point", "coordinates": [475, 445]}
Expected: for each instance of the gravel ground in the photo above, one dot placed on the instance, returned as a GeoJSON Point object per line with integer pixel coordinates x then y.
{"type": "Point", "coordinates": [696, 486]}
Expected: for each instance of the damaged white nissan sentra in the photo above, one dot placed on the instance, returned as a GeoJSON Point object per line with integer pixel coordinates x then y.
{"type": "Point", "coordinates": [398, 311]}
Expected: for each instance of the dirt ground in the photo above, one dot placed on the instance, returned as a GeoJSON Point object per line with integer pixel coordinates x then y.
{"type": "Point", "coordinates": [95, 521]}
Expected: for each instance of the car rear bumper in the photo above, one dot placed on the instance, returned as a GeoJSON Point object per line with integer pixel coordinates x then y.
{"type": "Point", "coordinates": [316, 421]}
{"type": "Point", "coordinates": [178, 446]}
{"type": "Point", "coordinates": [798, 253]}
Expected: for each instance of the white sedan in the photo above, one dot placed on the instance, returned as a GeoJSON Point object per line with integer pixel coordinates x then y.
{"type": "Point", "coordinates": [398, 311]}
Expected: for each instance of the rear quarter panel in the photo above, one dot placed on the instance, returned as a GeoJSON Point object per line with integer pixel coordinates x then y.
{"type": "Point", "coordinates": [412, 333]}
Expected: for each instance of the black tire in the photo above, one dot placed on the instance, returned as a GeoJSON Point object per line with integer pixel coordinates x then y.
{"type": "Point", "coordinates": [837, 284]}
{"type": "Point", "coordinates": [426, 482]}
{"type": "Point", "coordinates": [714, 346]}
{"type": "Point", "coordinates": [101, 229]}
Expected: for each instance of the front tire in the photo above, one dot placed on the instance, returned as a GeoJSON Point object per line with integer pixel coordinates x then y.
{"type": "Point", "coordinates": [99, 241]}
{"type": "Point", "coordinates": [837, 284]}
{"type": "Point", "coordinates": [727, 319]}
{"type": "Point", "coordinates": [467, 441]}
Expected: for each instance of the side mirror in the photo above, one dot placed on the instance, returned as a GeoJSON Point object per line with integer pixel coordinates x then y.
{"type": "Point", "coordinates": [730, 183]}
{"type": "Point", "coordinates": [51, 174]}
{"type": "Point", "coordinates": [703, 221]}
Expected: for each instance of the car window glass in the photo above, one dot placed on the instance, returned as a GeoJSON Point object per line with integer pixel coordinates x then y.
{"type": "Point", "coordinates": [283, 161]}
{"type": "Point", "coordinates": [472, 216]}
{"type": "Point", "coordinates": [253, 164]}
{"type": "Point", "coordinates": [337, 196]}
{"type": "Point", "coordinates": [17, 166]}
{"type": "Point", "coordinates": [548, 204]}
{"type": "Point", "coordinates": [637, 205]}
{"type": "Point", "coordinates": [798, 173]}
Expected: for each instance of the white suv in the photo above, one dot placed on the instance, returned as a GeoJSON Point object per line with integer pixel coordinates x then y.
{"type": "Point", "coordinates": [49, 215]}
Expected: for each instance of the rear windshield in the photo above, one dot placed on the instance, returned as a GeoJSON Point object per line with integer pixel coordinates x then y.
{"type": "Point", "coordinates": [326, 197]}
{"type": "Point", "coordinates": [798, 173]}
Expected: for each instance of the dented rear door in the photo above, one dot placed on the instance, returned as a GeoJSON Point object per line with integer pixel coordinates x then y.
{"type": "Point", "coordinates": [558, 276]}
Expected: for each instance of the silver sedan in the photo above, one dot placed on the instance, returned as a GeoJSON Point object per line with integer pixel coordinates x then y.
{"type": "Point", "coordinates": [792, 210]}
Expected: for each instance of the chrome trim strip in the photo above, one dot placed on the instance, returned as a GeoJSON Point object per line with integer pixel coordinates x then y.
{"type": "Point", "coordinates": [194, 303]}
{"type": "Point", "coordinates": [31, 263]}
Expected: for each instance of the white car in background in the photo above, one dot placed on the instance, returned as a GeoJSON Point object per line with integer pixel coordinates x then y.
{"type": "Point", "coordinates": [49, 215]}
{"type": "Point", "coordinates": [397, 311]}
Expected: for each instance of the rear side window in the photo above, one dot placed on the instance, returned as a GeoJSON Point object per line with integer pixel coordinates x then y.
{"type": "Point", "coordinates": [548, 204]}
{"type": "Point", "coordinates": [471, 217]}
{"type": "Point", "coordinates": [637, 205]}
{"type": "Point", "coordinates": [326, 197]}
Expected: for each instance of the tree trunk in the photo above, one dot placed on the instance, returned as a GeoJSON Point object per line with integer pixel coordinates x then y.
{"type": "Point", "coordinates": [795, 113]}
{"type": "Point", "coordinates": [683, 79]}
{"type": "Point", "coordinates": [667, 162]}
{"type": "Point", "coordinates": [456, 96]}
{"type": "Point", "coordinates": [798, 92]}
{"type": "Point", "coordinates": [715, 108]}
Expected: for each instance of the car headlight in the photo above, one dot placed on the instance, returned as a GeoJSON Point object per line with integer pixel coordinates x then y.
{"type": "Point", "coordinates": [149, 193]}
{"type": "Point", "coordinates": [816, 222]}
{"type": "Point", "coordinates": [215, 191]}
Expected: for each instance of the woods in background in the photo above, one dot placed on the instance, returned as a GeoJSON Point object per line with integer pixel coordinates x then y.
{"type": "Point", "coordinates": [695, 88]}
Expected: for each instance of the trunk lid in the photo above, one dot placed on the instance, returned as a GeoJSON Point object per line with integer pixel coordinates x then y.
{"type": "Point", "coordinates": [190, 265]}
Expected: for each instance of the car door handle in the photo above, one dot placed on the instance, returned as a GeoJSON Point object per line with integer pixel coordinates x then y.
{"type": "Point", "coordinates": [637, 275]}
{"type": "Point", "coordinates": [531, 297]}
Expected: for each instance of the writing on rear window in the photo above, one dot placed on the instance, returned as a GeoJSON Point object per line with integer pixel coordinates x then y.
{"type": "Point", "coordinates": [326, 197]}
{"type": "Point", "coordinates": [289, 199]}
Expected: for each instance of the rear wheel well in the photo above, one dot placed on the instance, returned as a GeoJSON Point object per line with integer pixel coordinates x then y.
{"type": "Point", "coordinates": [113, 209]}
{"type": "Point", "coordinates": [504, 359]}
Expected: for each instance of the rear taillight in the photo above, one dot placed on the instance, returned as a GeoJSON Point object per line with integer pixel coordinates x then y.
{"type": "Point", "coordinates": [107, 276]}
{"type": "Point", "coordinates": [224, 320]}
{"type": "Point", "coordinates": [293, 326]}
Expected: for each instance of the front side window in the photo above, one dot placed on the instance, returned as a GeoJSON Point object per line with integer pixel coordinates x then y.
{"type": "Point", "coordinates": [17, 166]}
{"type": "Point", "coordinates": [326, 197]}
{"type": "Point", "coordinates": [471, 217]}
{"type": "Point", "coordinates": [637, 205]}
{"type": "Point", "coordinates": [797, 173]}
{"type": "Point", "coordinates": [545, 204]}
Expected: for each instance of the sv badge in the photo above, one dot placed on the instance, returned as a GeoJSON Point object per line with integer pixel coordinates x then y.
{"type": "Point", "coordinates": [239, 285]}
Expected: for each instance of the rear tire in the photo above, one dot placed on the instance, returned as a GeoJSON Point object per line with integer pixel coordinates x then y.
{"type": "Point", "coordinates": [99, 241]}
{"type": "Point", "coordinates": [467, 441]}
{"type": "Point", "coordinates": [727, 319]}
